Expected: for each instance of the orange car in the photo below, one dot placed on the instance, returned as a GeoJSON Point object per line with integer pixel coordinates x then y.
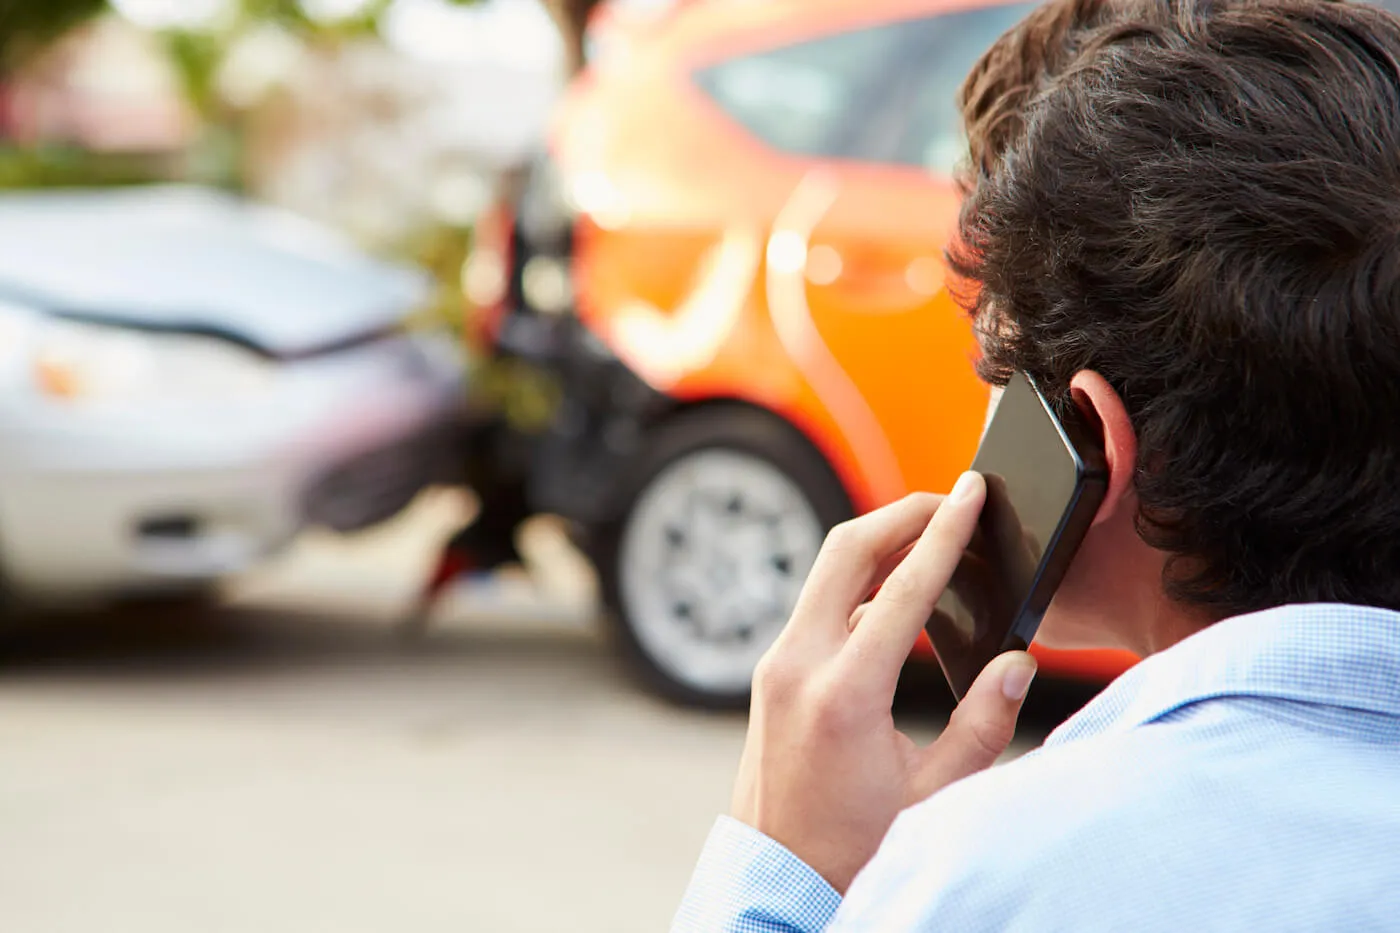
{"type": "Point", "coordinates": [730, 262]}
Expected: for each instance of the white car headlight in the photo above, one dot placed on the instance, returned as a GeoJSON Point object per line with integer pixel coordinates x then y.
{"type": "Point", "coordinates": [108, 364]}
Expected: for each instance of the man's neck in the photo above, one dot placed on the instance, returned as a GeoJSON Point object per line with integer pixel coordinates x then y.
{"type": "Point", "coordinates": [1170, 624]}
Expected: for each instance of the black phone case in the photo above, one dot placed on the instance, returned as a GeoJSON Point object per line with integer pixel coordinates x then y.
{"type": "Point", "coordinates": [963, 661]}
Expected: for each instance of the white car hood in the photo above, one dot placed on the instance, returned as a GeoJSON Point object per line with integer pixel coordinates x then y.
{"type": "Point", "coordinates": [187, 258]}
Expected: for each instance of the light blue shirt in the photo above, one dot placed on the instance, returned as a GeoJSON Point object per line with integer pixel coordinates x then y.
{"type": "Point", "coordinates": [1248, 778]}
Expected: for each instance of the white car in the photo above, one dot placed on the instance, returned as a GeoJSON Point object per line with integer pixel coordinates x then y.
{"type": "Point", "coordinates": [188, 380]}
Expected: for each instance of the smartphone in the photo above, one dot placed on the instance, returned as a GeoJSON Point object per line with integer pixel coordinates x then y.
{"type": "Point", "coordinates": [1046, 477]}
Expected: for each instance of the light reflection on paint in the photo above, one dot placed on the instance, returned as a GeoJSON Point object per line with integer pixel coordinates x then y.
{"type": "Point", "coordinates": [824, 265]}
{"type": "Point", "coordinates": [924, 276]}
{"type": "Point", "coordinates": [662, 346]}
{"type": "Point", "coordinates": [787, 252]}
{"type": "Point", "coordinates": [594, 194]}
{"type": "Point", "coordinates": [798, 333]}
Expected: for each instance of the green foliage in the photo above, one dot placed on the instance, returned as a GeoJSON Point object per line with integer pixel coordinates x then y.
{"type": "Point", "coordinates": [441, 250]}
{"type": "Point", "coordinates": [69, 166]}
{"type": "Point", "coordinates": [196, 57]}
{"type": "Point", "coordinates": [26, 25]}
{"type": "Point", "coordinates": [290, 14]}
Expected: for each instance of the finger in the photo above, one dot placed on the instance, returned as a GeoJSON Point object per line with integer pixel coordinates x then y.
{"type": "Point", "coordinates": [856, 616]}
{"type": "Point", "coordinates": [898, 613]}
{"type": "Point", "coordinates": [982, 725]}
{"type": "Point", "coordinates": [846, 566]}
{"type": "Point", "coordinates": [886, 566]}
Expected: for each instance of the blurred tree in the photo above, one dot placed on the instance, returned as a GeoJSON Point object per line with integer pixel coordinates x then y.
{"type": "Point", "coordinates": [293, 14]}
{"type": "Point", "coordinates": [572, 18]}
{"type": "Point", "coordinates": [198, 53]}
{"type": "Point", "coordinates": [27, 25]}
{"type": "Point", "coordinates": [196, 57]}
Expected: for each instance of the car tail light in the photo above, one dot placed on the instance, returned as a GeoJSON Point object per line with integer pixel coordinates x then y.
{"type": "Point", "coordinates": [486, 274]}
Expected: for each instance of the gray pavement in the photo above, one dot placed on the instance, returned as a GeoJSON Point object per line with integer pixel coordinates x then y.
{"type": "Point", "coordinates": [281, 763]}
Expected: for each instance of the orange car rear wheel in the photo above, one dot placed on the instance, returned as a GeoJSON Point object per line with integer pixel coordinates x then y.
{"type": "Point", "coordinates": [725, 511]}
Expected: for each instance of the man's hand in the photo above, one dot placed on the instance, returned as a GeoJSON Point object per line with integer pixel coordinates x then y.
{"type": "Point", "coordinates": [824, 769]}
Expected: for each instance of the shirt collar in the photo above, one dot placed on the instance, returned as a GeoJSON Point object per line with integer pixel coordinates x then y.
{"type": "Point", "coordinates": [1329, 654]}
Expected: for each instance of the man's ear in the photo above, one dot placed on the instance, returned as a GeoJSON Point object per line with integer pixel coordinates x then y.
{"type": "Point", "coordinates": [1108, 417]}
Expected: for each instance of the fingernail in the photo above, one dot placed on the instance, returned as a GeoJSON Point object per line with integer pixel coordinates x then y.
{"type": "Point", "coordinates": [1017, 680]}
{"type": "Point", "coordinates": [963, 488]}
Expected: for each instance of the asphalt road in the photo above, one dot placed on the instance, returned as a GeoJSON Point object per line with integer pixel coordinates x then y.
{"type": "Point", "coordinates": [282, 763]}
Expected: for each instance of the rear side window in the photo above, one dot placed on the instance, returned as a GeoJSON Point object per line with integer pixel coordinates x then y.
{"type": "Point", "coordinates": [802, 98]}
{"type": "Point", "coordinates": [922, 124]}
{"type": "Point", "coordinates": [884, 93]}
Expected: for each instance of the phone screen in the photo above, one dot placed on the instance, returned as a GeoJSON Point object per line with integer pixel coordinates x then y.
{"type": "Point", "coordinates": [1045, 479]}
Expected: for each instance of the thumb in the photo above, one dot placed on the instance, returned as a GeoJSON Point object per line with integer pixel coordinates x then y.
{"type": "Point", "coordinates": [982, 725]}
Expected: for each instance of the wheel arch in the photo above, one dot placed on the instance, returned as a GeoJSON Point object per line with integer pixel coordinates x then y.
{"type": "Point", "coordinates": [851, 483]}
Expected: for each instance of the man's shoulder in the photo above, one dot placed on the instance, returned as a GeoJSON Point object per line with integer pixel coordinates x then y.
{"type": "Point", "coordinates": [1178, 781]}
{"type": "Point", "coordinates": [1006, 833]}
{"type": "Point", "coordinates": [1066, 796]}
{"type": "Point", "coordinates": [1021, 846]}
{"type": "Point", "coordinates": [1156, 822]}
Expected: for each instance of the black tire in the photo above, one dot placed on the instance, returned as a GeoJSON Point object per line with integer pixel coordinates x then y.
{"type": "Point", "coordinates": [724, 427]}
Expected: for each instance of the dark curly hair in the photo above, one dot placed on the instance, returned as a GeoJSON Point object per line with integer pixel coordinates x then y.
{"type": "Point", "coordinates": [1203, 206]}
{"type": "Point", "coordinates": [996, 92]}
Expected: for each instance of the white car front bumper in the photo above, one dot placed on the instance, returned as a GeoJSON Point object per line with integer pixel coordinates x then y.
{"type": "Point", "coordinates": [98, 503]}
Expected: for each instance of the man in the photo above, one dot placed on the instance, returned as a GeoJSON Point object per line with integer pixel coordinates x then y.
{"type": "Point", "coordinates": [1192, 232]}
